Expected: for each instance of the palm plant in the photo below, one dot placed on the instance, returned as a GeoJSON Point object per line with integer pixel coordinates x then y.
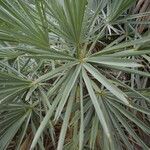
{"type": "Point", "coordinates": [65, 62]}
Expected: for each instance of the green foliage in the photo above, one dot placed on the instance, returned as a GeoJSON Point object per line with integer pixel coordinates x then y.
{"type": "Point", "coordinates": [78, 63]}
